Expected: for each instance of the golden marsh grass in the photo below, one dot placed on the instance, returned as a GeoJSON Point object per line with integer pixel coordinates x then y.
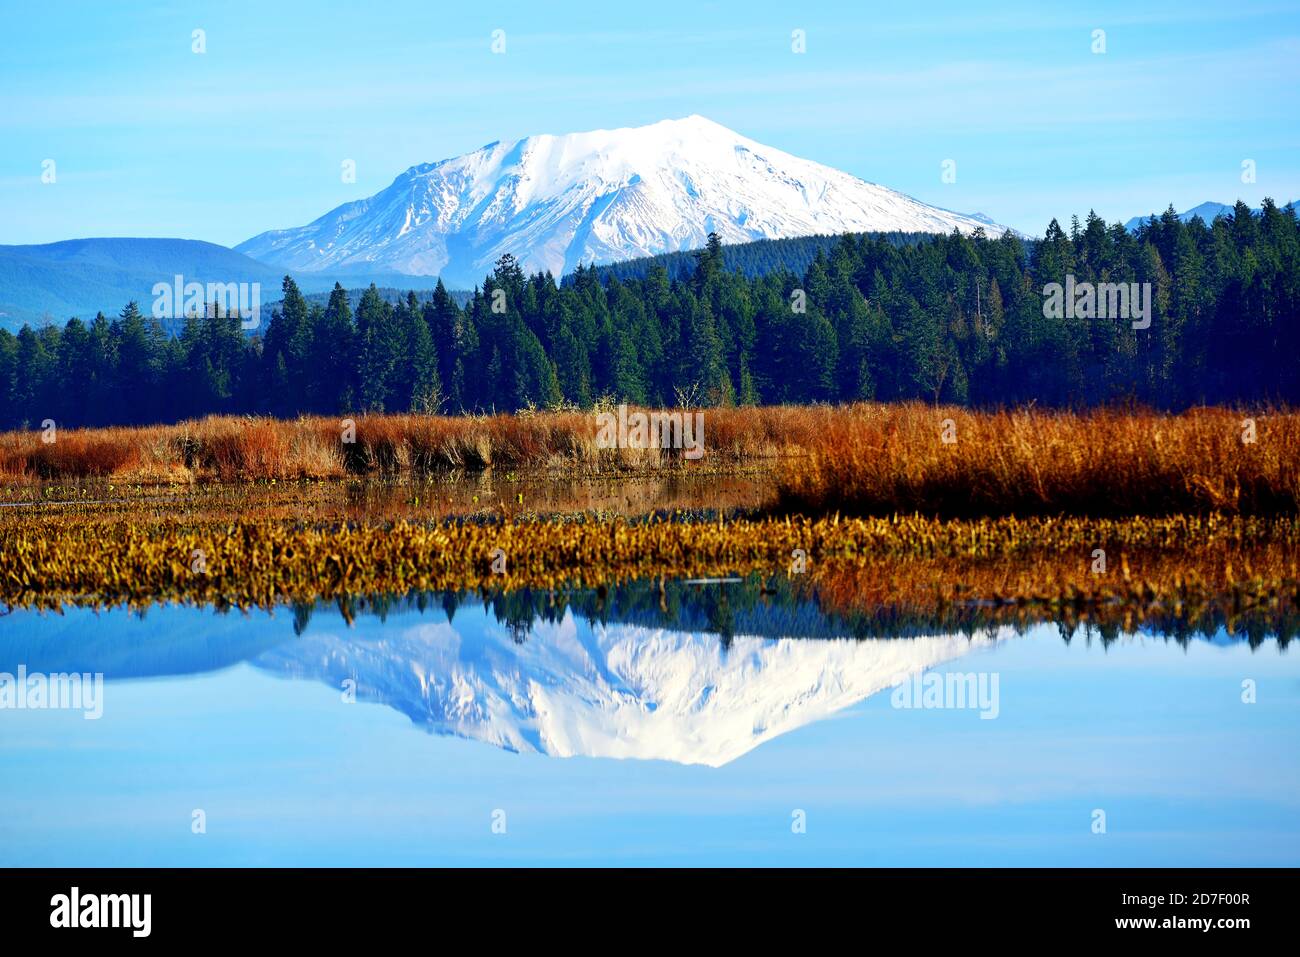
{"type": "Point", "coordinates": [232, 449]}
{"type": "Point", "coordinates": [1007, 517]}
{"type": "Point", "coordinates": [903, 561]}
{"type": "Point", "coordinates": [877, 460]}
{"type": "Point", "coordinates": [867, 459]}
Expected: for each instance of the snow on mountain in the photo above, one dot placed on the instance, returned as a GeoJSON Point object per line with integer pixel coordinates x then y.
{"type": "Point", "coordinates": [618, 691]}
{"type": "Point", "coordinates": [602, 196]}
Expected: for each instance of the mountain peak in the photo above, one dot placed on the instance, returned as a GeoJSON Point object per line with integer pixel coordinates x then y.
{"type": "Point", "coordinates": [696, 121]}
{"type": "Point", "coordinates": [617, 691]}
{"type": "Point", "coordinates": [600, 196]}
{"type": "Point", "coordinates": [691, 123]}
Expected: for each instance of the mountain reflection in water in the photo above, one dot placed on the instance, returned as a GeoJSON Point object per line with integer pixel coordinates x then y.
{"type": "Point", "coordinates": [694, 673]}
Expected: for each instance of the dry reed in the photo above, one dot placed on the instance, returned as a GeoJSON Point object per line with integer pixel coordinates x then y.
{"type": "Point", "coordinates": [866, 459]}
{"type": "Point", "coordinates": [876, 460]}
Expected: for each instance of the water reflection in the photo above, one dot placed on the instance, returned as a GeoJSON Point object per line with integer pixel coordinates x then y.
{"type": "Point", "coordinates": [618, 690]}
{"type": "Point", "coordinates": [694, 673]}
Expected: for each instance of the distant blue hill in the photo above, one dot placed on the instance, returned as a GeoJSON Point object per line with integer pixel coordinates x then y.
{"type": "Point", "coordinates": [80, 277]}
{"type": "Point", "coordinates": [1208, 211]}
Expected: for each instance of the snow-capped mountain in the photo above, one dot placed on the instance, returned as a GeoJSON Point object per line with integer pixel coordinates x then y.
{"type": "Point", "coordinates": [617, 691]}
{"type": "Point", "coordinates": [597, 197]}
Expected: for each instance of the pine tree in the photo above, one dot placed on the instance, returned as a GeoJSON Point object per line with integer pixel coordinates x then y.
{"type": "Point", "coordinates": [333, 387]}
{"type": "Point", "coordinates": [136, 367]}
{"type": "Point", "coordinates": [419, 384]}
{"type": "Point", "coordinates": [950, 318]}
{"type": "Point", "coordinates": [703, 370]}
{"type": "Point", "coordinates": [708, 262]}
{"type": "Point", "coordinates": [286, 353]}
{"type": "Point", "coordinates": [379, 348]}
{"type": "Point", "coordinates": [572, 368]}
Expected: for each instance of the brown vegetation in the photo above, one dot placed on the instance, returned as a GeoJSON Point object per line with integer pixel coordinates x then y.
{"type": "Point", "coordinates": [909, 562]}
{"type": "Point", "coordinates": [861, 459]}
{"type": "Point", "coordinates": [247, 449]}
{"type": "Point", "coordinates": [878, 460]}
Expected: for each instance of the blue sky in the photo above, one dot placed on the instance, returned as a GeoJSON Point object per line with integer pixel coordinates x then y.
{"type": "Point", "coordinates": [151, 139]}
{"type": "Point", "coordinates": [1155, 735]}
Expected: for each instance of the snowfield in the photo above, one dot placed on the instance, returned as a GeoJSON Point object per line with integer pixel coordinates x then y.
{"type": "Point", "coordinates": [596, 197]}
{"type": "Point", "coordinates": [618, 691]}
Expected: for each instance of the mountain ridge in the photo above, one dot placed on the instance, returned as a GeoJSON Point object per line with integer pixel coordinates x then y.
{"type": "Point", "coordinates": [557, 201]}
{"type": "Point", "coordinates": [620, 691]}
{"type": "Point", "coordinates": [1208, 211]}
{"type": "Point", "coordinates": [80, 277]}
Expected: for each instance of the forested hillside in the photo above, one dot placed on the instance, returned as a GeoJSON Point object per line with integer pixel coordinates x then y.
{"type": "Point", "coordinates": [952, 318]}
{"type": "Point", "coordinates": [750, 259]}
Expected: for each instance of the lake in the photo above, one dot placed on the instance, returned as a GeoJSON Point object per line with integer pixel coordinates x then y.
{"type": "Point", "coordinates": [706, 723]}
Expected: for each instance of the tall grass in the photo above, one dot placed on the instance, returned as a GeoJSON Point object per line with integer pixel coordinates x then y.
{"type": "Point", "coordinates": [240, 449]}
{"type": "Point", "coordinates": [861, 459]}
{"type": "Point", "coordinates": [878, 459]}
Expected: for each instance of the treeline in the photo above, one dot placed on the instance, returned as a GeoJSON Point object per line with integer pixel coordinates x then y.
{"type": "Point", "coordinates": [958, 319]}
{"type": "Point", "coordinates": [390, 294]}
{"type": "Point", "coordinates": [780, 606]}
{"type": "Point", "coordinates": [754, 259]}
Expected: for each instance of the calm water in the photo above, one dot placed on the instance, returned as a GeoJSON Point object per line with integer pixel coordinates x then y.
{"type": "Point", "coordinates": [708, 725]}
